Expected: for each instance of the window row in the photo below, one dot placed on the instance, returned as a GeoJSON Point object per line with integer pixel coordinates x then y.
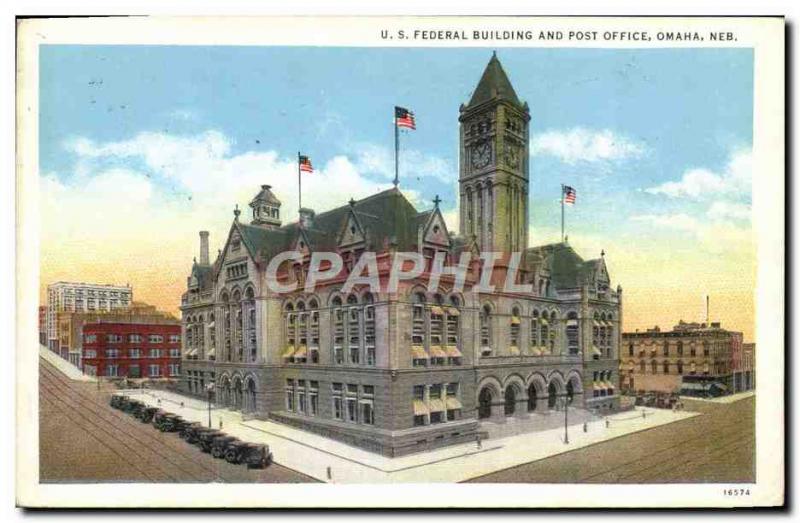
{"type": "Point", "coordinates": [679, 367]}
{"type": "Point", "coordinates": [436, 403]}
{"type": "Point", "coordinates": [131, 353]}
{"type": "Point", "coordinates": [602, 384]}
{"type": "Point", "coordinates": [349, 402]}
{"type": "Point", "coordinates": [133, 338]}
{"type": "Point", "coordinates": [666, 349]}
{"type": "Point", "coordinates": [435, 331]}
{"type": "Point", "coordinates": [134, 371]}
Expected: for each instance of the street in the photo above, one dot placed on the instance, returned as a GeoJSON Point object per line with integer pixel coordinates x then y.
{"type": "Point", "coordinates": [82, 439]}
{"type": "Point", "coordinates": [717, 447]}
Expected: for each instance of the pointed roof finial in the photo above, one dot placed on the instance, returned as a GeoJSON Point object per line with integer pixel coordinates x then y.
{"type": "Point", "coordinates": [494, 85]}
{"type": "Point", "coordinates": [236, 212]}
{"type": "Point", "coordinates": [352, 202]}
{"type": "Point", "coordinates": [494, 53]}
{"type": "Point", "coordinates": [602, 253]}
{"type": "Point", "coordinates": [436, 201]}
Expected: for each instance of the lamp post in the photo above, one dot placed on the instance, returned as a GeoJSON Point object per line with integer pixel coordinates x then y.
{"type": "Point", "coordinates": [566, 413]}
{"type": "Point", "coordinates": [209, 390]}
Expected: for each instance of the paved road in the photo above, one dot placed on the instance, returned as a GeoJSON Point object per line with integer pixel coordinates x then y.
{"type": "Point", "coordinates": [82, 439]}
{"type": "Point", "coordinates": [717, 447]}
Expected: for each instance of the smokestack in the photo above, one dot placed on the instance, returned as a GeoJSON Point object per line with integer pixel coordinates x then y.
{"type": "Point", "coordinates": [203, 247]}
{"type": "Point", "coordinates": [708, 315]}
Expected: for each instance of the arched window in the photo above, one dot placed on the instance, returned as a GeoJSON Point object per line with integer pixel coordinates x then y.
{"type": "Point", "coordinates": [544, 334]}
{"type": "Point", "coordinates": [354, 314]}
{"type": "Point", "coordinates": [680, 348]}
{"type": "Point", "coordinates": [289, 319]}
{"type": "Point", "coordinates": [250, 304]}
{"type": "Point", "coordinates": [534, 333]}
{"type": "Point", "coordinates": [680, 367]}
{"type": "Point", "coordinates": [338, 331]}
{"type": "Point", "coordinates": [573, 333]}
{"type": "Point", "coordinates": [369, 329]}
{"type": "Point", "coordinates": [436, 328]}
{"type": "Point", "coordinates": [630, 349]}
{"type": "Point", "coordinates": [486, 330]}
{"type": "Point", "coordinates": [654, 367]}
{"type": "Point", "coordinates": [453, 326]}
{"type": "Point", "coordinates": [666, 347]}
{"type": "Point", "coordinates": [642, 367]}
{"type": "Point", "coordinates": [666, 367]}
{"type": "Point", "coordinates": [313, 330]}
{"type": "Point", "coordinates": [514, 330]}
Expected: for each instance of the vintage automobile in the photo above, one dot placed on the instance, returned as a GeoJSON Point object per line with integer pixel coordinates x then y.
{"type": "Point", "coordinates": [169, 422]}
{"type": "Point", "coordinates": [220, 444]}
{"type": "Point", "coordinates": [257, 456]}
{"type": "Point", "coordinates": [147, 413]}
{"type": "Point", "coordinates": [117, 400]}
{"type": "Point", "coordinates": [205, 438]}
{"type": "Point", "coordinates": [189, 432]}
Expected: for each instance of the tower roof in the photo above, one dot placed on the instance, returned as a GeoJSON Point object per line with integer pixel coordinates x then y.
{"type": "Point", "coordinates": [494, 84]}
{"type": "Point", "coordinates": [266, 195]}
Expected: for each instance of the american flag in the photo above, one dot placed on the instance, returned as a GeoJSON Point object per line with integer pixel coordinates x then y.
{"type": "Point", "coordinates": [404, 118]}
{"type": "Point", "coordinates": [569, 195]}
{"type": "Point", "coordinates": [305, 164]}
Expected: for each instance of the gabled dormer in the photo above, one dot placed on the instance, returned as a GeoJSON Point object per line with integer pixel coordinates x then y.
{"type": "Point", "coordinates": [433, 231]}
{"type": "Point", "coordinates": [266, 208]}
{"type": "Point", "coordinates": [353, 233]}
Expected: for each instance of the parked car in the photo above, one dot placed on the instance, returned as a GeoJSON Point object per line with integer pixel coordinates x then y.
{"type": "Point", "coordinates": [147, 413]}
{"type": "Point", "coordinates": [205, 438]}
{"type": "Point", "coordinates": [220, 445]}
{"type": "Point", "coordinates": [117, 400]}
{"type": "Point", "coordinates": [257, 456]}
{"type": "Point", "coordinates": [189, 432]}
{"type": "Point", "coordinates": [169, 422]}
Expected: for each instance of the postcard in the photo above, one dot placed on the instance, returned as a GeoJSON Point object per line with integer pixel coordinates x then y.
{"type": "Point", "coordinates": [400, 262]}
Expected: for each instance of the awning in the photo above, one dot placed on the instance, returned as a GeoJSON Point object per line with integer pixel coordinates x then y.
{"type": "Point", "coordinates": [212, 352]}
{"type": "Point", "coordinates": [437, 311]}
{"type": "Point", "coordinates": [438, 352]}
{"type": "Point", "coordinates": [609, 323]}
{"type": "Point", "coordinates": [514, 350]}
{"type": "Point", "coordinates": [609, 385]}
{"type": "Point", "coordinates": [192, 352]}
{"type": "Point", "coordinates": [364, 401]}
{"type": "Point", "coordinates": [211, 325]}
{"type": "Point", "coordinates": [596, 351]}
{"type": "Point", "coordinates": [418, 352]}
{"type": "Point", "coordinates": [302, 352]}
{"type": "Point", "coordinates": [572, 323]}
{"type": "Point", "coordinates": [288, 351]}
{"type": "Point", "coordinates": [597, 385]}
{"type": "Point", "coordinates": [544, 321]}
{"type": "Point", "coordinates": [420, 409]}
{"type": "Point", "coordinates": [486, 350]}
{"type": "Point", "coordinates": [598, 323]}
{"type": "Point", "coordinates": [453, 403]}
{"type": "Point", "coordinates": [536, 351]}
{"type": "Point", "coordinates": [514, 320]}
{"type": "Point", "coordinates": [452, 311]}
{"type": "Point", "coordinates": [694, 386]}
{"type": "Point", "coordinates": [436, 405]}
{"type": "Point", "coordinates": [452, 351]}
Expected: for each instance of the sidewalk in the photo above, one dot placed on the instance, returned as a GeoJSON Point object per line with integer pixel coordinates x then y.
{"type": "Point", "coordinates": [724, 399]}
{"type": "Point", "coordinates": [313, 455]}
{"type": "Point", "coordinates": [69, 370]}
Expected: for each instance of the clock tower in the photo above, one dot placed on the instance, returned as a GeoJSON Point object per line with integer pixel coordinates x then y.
{"type": "Point", "coordinates": [493, 167]}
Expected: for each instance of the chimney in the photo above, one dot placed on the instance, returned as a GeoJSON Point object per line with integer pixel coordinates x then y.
{"type": "Point", "coordinates": [203, 247]}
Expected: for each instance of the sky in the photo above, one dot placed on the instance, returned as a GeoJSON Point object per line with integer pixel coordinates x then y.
{"type": "Point", "coordinates": [143, 146]}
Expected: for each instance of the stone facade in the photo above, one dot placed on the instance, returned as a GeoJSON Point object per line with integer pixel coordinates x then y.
{"type": "Point", "coordinates": [406, 371]}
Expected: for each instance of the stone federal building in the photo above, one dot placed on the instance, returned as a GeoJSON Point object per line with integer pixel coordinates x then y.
{"type": "Point", "coordinates": [412, 370]}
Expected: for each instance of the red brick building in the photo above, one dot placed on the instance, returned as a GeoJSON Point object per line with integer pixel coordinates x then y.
{"type": "Point", "coordinates": [132, 350]}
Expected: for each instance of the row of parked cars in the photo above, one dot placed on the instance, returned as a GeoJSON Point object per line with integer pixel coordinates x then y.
{"type": "Point", "coordinates": [215, 442]}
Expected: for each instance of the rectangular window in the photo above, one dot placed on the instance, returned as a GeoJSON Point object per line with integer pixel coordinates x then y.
{"type": "Point", "coordinates": [156, 338]}
{"type": "Point", "coordinates": [114, 338]}
{"type": "Point", "coordinates": [155, 353]}
{"type": "Point", "coordinates": [154, 371]}
{"type": "Point", "coordinates": [338, 336]}
{"type": "Point", "coordinates": [91, 338]}
{"type": "Point", "coordinates": [313, 398]}
{"type": "Point", "coordinates": [174, 353]}
{"type": "Point", "coordinates": [112, 353]}
{"type": "Point", "coordinates": [352, 403]}
{"type": "Point", "coordinates": [290, 395]}
{"type": "Point", "coordinates": [337, 401]}
{"type": "Point", "coordinates": [112, 370]}
{"type": "Point", "coordinates": [354, 335]}
{"type": "Point", "coordinates": [134, 371]}
{"type": "Point", "coordinates": [134, 353]}
{"type": "Point", "coordinates": [369, 334]}
{"type": "Point", "coordinates": [174, 338]}
{"type": "Point", "coordinates": [90, 354]}
{"type": "Point", "coordinates": [174, 369]}
{"type": "Point", "coordinates": [135, 338]}
{"type": "Point", "coordinates": [301, 396]}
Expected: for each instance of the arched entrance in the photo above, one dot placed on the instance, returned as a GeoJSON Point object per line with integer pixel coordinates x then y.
{"type": "Point", "coordinates": [250, 398]}
{"type": "Point", "coordinates": [237, 394]}
{"type": "Point", "coordinates": [225, 392]}
{"type": "Point", "coordinates": [485, 403]}
{"type": "Point", "coordinates": [510, 400]}
{"type": "Point", "coordinates": [552, 395]}
{"type": "Point", "coordinates": [531, 397]}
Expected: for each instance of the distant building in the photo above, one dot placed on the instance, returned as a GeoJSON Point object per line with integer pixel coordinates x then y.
{"type": "Point", "coordinates": [132, 350]}
{"type": "Point", "coordinates": [744, 369]}
{"type": "Point", "coordinates": [695, 359]}
{"type": "Point", "coordinates": [43, 324]}
{"type": "Point", "coordinates": [80, 297]}
{"type": "Point", "coordinates": [70, 326]}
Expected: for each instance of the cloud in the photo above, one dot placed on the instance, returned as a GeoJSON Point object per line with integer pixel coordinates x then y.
{"type": "Point", "coordinates": [725, 211]}
{"type": "Point", "coordinates": [680, 221]}
{"type": "Point", "coordinates": [702, 183]}
{"type": "Point", "coordinates": [579, 144]}
{"type": "Point", "coordinates": [377, 159]}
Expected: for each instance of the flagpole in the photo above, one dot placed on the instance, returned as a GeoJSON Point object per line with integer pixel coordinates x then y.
{"type": "Point", "coordinates": [299, 185]}
{"type": "Point", "coordinates": [562, 213]}
{"type": "Point", "coordinates": [396, 151]}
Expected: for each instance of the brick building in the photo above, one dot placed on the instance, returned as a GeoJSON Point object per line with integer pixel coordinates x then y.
{"type": "Point", "coordinates": [693, 359]}
{"type": "Point", "coordinates": [132, 350]}
{"type": "Point", "coordinates": [400, 372]}
{"type": "Point", "coordinates": [43, 325]}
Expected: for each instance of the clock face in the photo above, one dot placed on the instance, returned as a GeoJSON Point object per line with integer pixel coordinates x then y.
{"type": "Point", "coordinates": [481, 155]}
